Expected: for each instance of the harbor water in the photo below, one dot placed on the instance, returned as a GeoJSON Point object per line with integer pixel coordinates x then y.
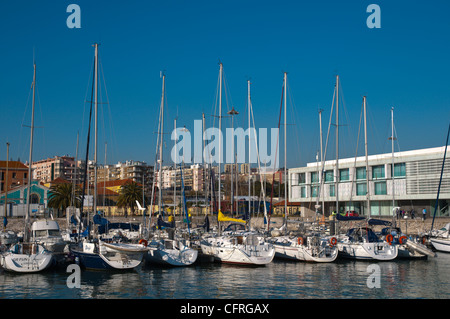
{"type": "Point", "coordinates": [342, 279]}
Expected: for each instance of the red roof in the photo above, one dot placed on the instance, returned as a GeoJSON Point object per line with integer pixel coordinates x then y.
{"type": "Point", "coordinates": [13, 165]}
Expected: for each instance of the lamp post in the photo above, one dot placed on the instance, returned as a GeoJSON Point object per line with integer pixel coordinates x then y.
{"type": "Point", "coordinates": [232, 113]}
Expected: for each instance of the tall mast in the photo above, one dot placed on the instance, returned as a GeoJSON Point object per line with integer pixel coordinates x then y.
{"type": "Point", "coordinates": [30, 159]}
{"type": "Point", "coordinates": [161, 143]}
{"type": "Point", "coordinates": [249, 146]}
{"type": "Point", "coordinates": [367, 160]}
{"type": "Point", "coordinates": [220, 130]}
{"type": "Point", "coordinates": [321, 161]}
{"type": "Point", "coordinates": [95, 125]}
{"type": "Point", "coordinates": [175, 169]}
{"type": "Point", "coordinates": [337, 145]}
{"type": "Point", "coordinates": [285, 152]}
{"type": "Point", "coordinates": [6, 186]}
{"type": "Point", "coordinates": [392, 145]}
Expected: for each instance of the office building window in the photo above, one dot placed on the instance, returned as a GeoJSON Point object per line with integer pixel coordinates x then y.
{"type": "Point", "coordinates": [380, 188]}
{"type": "Point", "coordinates": [361, 189]}
{"type": "Point", "coordinates": [314, 191]}
{"type": "Point", "coordinates": [303, 192]}
{"type": "Point", "coordinates": [331, 189]}
{"type": "Point", "coordinates": [344, 175]}
{"type": "Point", "coordinates": [378, 172]}
{"type": "Point", "coordinates": [360, 173]}
{"type": "Point", "coordinates": [301, 178]}
{"type": "Point", "coordinates": [329, 176]}
{"type": "Point", "coordinates": [399, 170]}
{"type": "Point", "coordinates": [314, 177]}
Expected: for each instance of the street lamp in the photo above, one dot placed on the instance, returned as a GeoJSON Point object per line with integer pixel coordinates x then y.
{"type": "Point", "coordinates": [232, 113]}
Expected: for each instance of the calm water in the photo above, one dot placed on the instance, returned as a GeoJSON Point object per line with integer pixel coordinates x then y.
{"type": "Point", "coordinates": [408, 279]}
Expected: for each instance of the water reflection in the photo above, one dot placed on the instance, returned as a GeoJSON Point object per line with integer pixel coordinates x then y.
{"type": "Point", "coordinates": [343, 279]}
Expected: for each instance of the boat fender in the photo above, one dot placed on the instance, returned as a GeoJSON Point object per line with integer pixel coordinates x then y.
{"type": "Point", "coordinates": [389, 239]}
{"type": "Point", "coordinates": [300, 240]}
{"type": "Point", "coordinates": [333, 241]}
{"type": "Point", "coordinates": [143, 242]}
{"type": "Point", "coordinates": [402, 240]}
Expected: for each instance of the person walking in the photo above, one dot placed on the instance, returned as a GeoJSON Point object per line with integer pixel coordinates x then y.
{"type": "Point", "coordinates": [424, 214]}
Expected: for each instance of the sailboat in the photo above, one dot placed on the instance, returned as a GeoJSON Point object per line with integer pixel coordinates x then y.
{"type": "Point", "coordinates": [311, 247]}
{"type": "Point", "coordinates": [408, 248]}
{"type": "Point", "coordinates": [27, 256]}
{"type": "Point", "coordinates": [234, 247]}
{"type": "Point", "coordinates": [94, 253]}
{"type": "Point", "coordinates": [168, 249]}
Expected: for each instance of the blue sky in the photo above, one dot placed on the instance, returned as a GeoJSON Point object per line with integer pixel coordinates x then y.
{"type": "Point", "coordinates": [404, 64]}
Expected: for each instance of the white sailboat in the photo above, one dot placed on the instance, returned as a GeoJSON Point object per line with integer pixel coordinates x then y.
{"type": "Point", "coordinates": [27, 257]}
{"type": "Point", "coordinates": [242, 247]}
{"type": "Point", "coordinates": [168, 250]}
{"type": "Point", "coordinates": [313, 247]}
{"type": "Point", "coordinates": [237, 247]}
{"type": "Point", "coordinates": [94, 253]}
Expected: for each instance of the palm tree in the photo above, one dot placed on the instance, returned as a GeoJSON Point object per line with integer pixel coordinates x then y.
{"type": "Point", "coordinates": [61, 196]}
{"type": "Point", "coordinates": [129, 194]}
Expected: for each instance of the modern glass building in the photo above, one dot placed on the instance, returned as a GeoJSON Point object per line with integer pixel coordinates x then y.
{"type": "Point", "coordinates": [371, 185]}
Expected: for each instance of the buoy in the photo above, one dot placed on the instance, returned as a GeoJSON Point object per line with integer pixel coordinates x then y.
{"type": "Point", "coordinates": [143, 242]}
{"type": "Point", "coordinates": [389, 239]}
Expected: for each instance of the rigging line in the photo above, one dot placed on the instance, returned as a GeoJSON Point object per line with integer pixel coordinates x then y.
{"type": "Point", "coordinates": [22, 151]}
{"type": "Point", "coordinates": [42, 121]}
{"type": "Point", "coordinates": [356, 154]}
{"type": "Point", "coordinates": [294, 116]}
{"type": "Point", "coordinates": [86, 94]}
{"type": "Point", "coordinates": [112, 131]}
{"type": "Point", "coordinates": [322, 171]}
{"type": "Point", "coordinates": [276, 155]}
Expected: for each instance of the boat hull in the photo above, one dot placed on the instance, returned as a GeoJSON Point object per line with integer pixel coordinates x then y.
{"type": "Point", "coordinates": [239, 254]}
{"type": "Point", "coordinates": [441, 244]}
{"type": "Point", "coordinates": [368, 251]}
{"type": "Point", "coordinates": [108, 258]}
{"type": "Point", "coordinates": [37, 261]}
{"type": "Point", "coordinates": [172, 257]}
{"type": "Point", "coordinates": [288, 248]}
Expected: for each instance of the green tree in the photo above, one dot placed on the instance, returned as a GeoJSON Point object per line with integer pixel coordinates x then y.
{"type": "Point", "coordinates": [61, 197]}
{"type": "Point", "coordinates": [128, 195]}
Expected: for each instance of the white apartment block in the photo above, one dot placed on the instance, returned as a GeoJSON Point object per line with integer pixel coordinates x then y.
{"type": "Point", "coordinates": [413, 186]}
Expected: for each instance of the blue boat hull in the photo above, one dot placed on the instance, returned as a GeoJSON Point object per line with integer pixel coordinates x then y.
{"type": "Point", "coordinates": [90, 261]}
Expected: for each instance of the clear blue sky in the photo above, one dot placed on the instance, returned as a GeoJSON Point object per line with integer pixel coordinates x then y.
{"type": "Point", "coordinates": [405, 64]}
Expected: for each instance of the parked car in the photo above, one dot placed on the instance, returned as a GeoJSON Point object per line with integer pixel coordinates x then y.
{"type": "Point", "coordinates": [351, 213]}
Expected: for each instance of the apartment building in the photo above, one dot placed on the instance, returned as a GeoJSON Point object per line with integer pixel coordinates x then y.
{"type": "Point", "coordinates": [372, 187]}
{"type": "Point", "coordinates": [57, 167]}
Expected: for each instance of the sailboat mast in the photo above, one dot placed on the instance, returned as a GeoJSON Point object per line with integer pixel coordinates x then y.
{"type": "Point", "coordinates": [392, 146]}
{"type": "Point", "coordinates": [321, 161]}
{"type": "Point", "coordinates": [285, 150]}
{"type": "Point", "coordinates": [249, 147]}
{"type": "Point", "coordinates": [337, 145]}
{"type": "Point", "coordinates": [30, 159]}
{"type": "Point", "coordinates": [175, 169]}
{"type": "Point", "coordinates": [220, 131]}
{"type": "Point", "coordinates": [367, 160]}
{"type": "Point", "coordinates": [95, 125]}
{"type": "Point", "coordinates": [161, 143]}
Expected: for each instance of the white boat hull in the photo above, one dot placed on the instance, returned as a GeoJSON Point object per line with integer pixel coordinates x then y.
{"type": "Point", "coordinates": [381, 251]}
{"type": "Point", "coordinates": [227, 250]}
{"type": "Point", "coordinates": [289, 248]}
{"type": "Point", "coordinates": [441, 244]}
{"type": "Point", "coordinates": [38, 260]}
